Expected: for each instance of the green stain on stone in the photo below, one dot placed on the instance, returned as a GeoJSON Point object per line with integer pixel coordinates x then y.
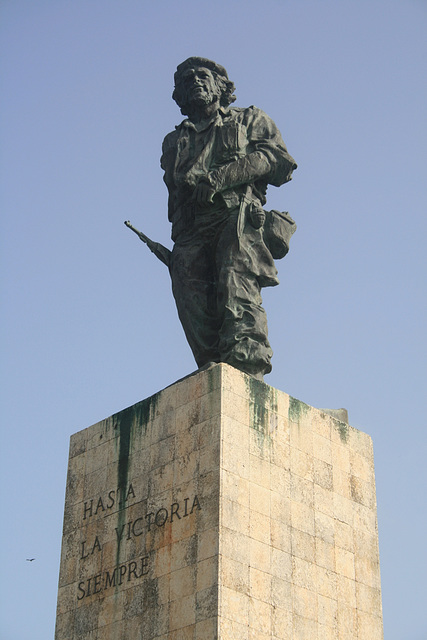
{"type": "Point", "coordinates": [213, 376]}
{"type": "Point", "coordinates": [124, 427]}
{"type": "Point", "coordinates": [145, 411]}
{"type": "Point", "coordinates": [127, 423]}
{"type": "Point", "coordinates": [297, 409]}
{"type": "Point", "coordinates": [343, 430]}
{"type": "Point", "coordinates": [262, 402]}
{"type": "Point", "coordinates": [259, 397]}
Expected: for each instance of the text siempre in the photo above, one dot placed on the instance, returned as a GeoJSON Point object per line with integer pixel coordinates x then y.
{"type": "Point", "coordinates": [133, 528]}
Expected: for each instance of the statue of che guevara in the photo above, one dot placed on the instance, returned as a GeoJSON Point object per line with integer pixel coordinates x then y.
{"type": "Point", "coordinates": [217, 165]}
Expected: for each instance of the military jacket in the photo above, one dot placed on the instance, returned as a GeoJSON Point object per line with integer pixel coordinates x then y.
{"type": "Point", "coordinates": [235, 148]}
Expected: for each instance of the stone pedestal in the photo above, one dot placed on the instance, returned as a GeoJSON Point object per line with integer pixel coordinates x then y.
{"type": "Point", "coordinates": [220, 508]}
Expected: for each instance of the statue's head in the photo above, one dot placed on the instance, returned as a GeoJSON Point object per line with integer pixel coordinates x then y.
{"type": "Point", "coordinates": [199, 80]}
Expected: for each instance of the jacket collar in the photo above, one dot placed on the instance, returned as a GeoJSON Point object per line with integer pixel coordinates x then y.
{"type": "Point", "coordinates": [205, 124]}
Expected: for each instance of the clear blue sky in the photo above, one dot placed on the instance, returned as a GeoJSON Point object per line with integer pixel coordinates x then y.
{"type": "Point", "coordinates": [89, 324]}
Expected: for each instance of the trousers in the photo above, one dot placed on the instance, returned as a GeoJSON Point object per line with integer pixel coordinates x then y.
{"type": "Point", "coordinates": [217, 292]}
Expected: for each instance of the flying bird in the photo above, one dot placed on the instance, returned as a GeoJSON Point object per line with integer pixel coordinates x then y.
{"type": "Point", "coordinates": [30, 559]}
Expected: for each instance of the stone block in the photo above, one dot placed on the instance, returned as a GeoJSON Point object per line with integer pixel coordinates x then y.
{"type": "Point", "coordinates": [220, 509]}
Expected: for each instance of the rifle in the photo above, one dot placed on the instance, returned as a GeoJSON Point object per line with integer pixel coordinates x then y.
{"type": "Point", "coordinates": [161, 252]}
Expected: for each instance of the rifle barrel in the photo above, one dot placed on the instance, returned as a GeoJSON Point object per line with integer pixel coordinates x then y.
{"type": "Point", "coordinates": [161, 252]}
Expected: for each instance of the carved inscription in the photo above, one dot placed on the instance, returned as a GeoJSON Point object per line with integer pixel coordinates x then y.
{"type": "Point", "coordinates": [135, 569]}
{"type": "Point", "coordinates": [163, 515]}
{"type": "Point", "coordinates": [124, 572]}
{"type": "Point", "coordinates": [117, 496]}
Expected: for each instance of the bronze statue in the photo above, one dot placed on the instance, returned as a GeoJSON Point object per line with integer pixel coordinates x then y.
{"type": "Point", "coordinates": [218, 163]}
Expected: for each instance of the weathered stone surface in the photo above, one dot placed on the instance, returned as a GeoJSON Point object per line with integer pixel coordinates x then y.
{"type": "Point", "coordinates": [220, 508]}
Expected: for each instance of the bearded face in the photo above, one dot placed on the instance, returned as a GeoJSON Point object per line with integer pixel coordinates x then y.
{"type": "Point", "coordinates": [199, 87]}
